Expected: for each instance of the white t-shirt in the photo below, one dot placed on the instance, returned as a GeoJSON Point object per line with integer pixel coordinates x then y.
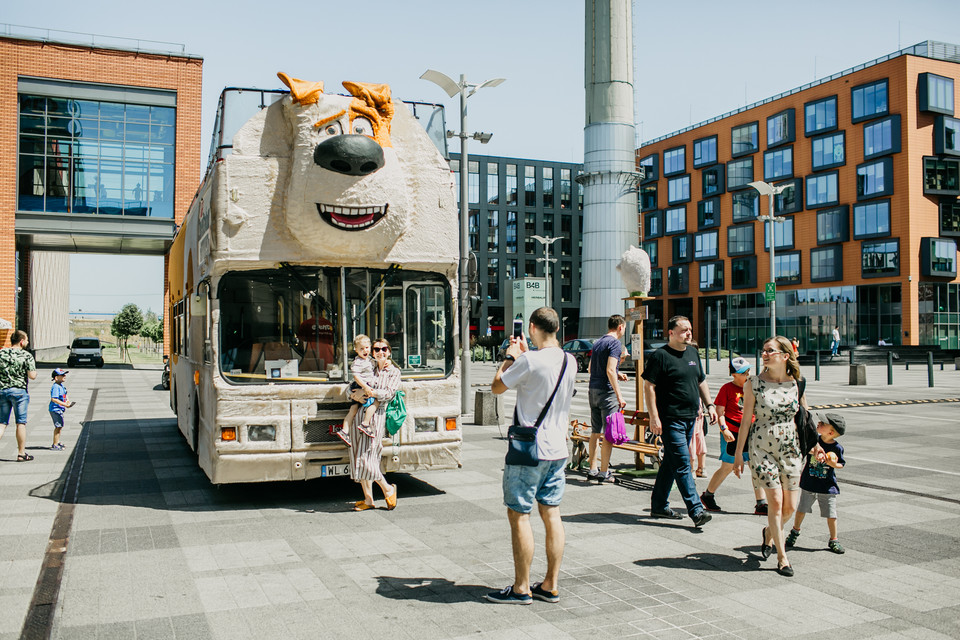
{"type": "Point", "coordinates": [836, 335]}
{"type": "Point", "coordinates": [534, 375]}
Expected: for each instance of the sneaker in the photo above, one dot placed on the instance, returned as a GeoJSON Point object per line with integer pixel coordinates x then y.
{"type": "Point", "coordinates": [701, 519]}
{"type": "Point", "coordinates": [835, 546]}
{"type": "Point", "coordinates": [508, 596]}
{"type": "Point", "coordinates": [667, 513]}
{"type": "Point", "coordinates": [57, 447]}
{"type": "Point", "coordinates": [709, 502]}
{"type": "Point", "coordinates": [760, 509]}
{"type": "Point", "coordinates": [340, 433]}
{"type": "Point", "coordinates": [791, 538]}
{"type": "Point", "coordinates": [540, 593]}
{"type": "Point", "coordinates": [605, 477]}
{"type": "Point", "coordinates": [365, 430]}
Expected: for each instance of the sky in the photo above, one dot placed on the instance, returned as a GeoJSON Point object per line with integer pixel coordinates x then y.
{"type": "Point", "coordinates": [692, 61]}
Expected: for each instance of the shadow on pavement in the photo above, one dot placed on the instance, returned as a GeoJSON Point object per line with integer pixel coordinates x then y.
{"type": "Point", "coordinates": [706, 562]}
{"type": "Point", "coordinates": [429, 590]}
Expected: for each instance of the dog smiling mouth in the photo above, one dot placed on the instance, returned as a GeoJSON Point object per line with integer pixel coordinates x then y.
{"type": "Point", "coordinates": [351, 218]}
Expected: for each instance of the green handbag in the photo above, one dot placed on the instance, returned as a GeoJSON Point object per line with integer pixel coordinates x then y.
{"type": "Point", "coordinates": [396, 413]}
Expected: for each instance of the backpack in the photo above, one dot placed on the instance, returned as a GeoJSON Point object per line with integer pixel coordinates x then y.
{"type": "Point", "coordinates": [396, 413]}
{"type": "Point", "coordinates": [616, 430]}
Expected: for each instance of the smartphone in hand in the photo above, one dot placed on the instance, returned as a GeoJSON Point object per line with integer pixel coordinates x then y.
{"type": "Point", "coordinates": [71, 404]}
{"type": "Point", "coordinates": [518, 328]}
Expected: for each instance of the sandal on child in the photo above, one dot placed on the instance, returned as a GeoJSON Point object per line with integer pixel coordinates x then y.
{"type": "Point", "coordinates": [365, 430]}
{"type": "Point", "coordinates": [24, 457]}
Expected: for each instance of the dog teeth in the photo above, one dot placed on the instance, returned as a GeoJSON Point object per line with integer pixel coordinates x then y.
{"type": "Point", "coordinates": [352, 211]}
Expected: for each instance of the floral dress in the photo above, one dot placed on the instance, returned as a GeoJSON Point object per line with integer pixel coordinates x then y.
{"type": "Point", "coordinates": [775, 458]}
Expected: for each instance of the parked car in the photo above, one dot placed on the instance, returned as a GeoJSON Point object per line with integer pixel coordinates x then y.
{"type": "Point", "coordinates": [85, 351]}
{"type": "Point", "coordinates": [506, 343]}
{"type": "Point", "coordinates": [581, 349]}
{"type": "Point", "coordinates": [648, 347]}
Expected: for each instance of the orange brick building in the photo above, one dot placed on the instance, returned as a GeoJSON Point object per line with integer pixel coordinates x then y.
{"type": "Point", "coordinates": [869, 162]}
{"type": "Point", "coordinates": [99, 152]}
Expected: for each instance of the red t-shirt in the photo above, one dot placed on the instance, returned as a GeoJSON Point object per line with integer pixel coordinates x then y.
{"type": "Point", "coordinates": [730, 397]}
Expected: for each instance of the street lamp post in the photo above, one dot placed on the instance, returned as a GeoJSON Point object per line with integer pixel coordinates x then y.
{"type": "Point", "coordinates": [771, 191]}
{"type": "Point", "coordinates": [546, 242]}
{"type": "Point", "coordinates": [465, 90]}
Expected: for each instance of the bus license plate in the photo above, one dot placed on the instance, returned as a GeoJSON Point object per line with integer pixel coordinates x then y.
{"type": "Point", "coordinates": [83, 359]}
{"type": "Point", "coordinates": [328, 470]}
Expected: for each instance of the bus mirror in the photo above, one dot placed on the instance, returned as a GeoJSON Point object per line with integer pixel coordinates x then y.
{"type": "Point", "coordinates": [198, 306]}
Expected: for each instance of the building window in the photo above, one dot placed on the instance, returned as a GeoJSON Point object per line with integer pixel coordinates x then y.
{"type": "Point", "coordinates": [739, 173]}
{"type": "Point", "coordinates": [828, 151]}
{"type": "Point", "coordinates": [678, 279]}
{"type": "Point", "coordinates": [880, 258]}
{"type": "Point", "coordinates": [740, 240]}
{"type": "Point", "coordinates": [790, 200]}
{"type": "Point", "coordinates": [511, 184]}
{"type": "Point", "coordinates": [678, 190]}
{"type": "Point", "coordinates": [566, 287]}
{"type": "Point", "coordinates": [946, 136]}
{"type": "Point", "coordinates": [935, 93]}
{"type": "Point", "coordinates": [871, 220]}
{"type": "Point", "coordinates": [746, 206]}
{"type": "Point", "coordinates": [511, 231]}
{"type": "Point", "coordinates": [875, 179]}
{"type": "Point", "coordinates": [682, 249]}
{"type": "Point", "coordinates": [826, 264]}
{"type": "Point", "coordinates": [708, 213]}
{"type": "Point", "coordinates": [650, 165]}
{"type": "Point", "coordinates": [493, 225]}
{"type": "Point", "coordinates": [652, 225]}
{"type": "Point", "coordinates": [938, 257]}
{"type": "Point", "coordinates": [782, 235]}
{"type": "Point", "coordinates": [780, 128]}
{"type": "Point", "coordinates": [473, 226]}
{"type": "Point", "coordinates": [941, 176]}
{"type": "Point", "coordinates": [529, 230]}
{"type": "Point", "coordinates": [566, 235]}
{"type": "Point", "coordinates": [529, 268]}
{"type": "Point", "coordinates": [820, 116]}
{"type": "Point", "coordinates": [493, 183]}
{"type": "Point", "coordinates": [881, 137]}
{"type": "Point", "coordinates": [675, 220]}
{"type": "Point", "coordinates": [822, 190]}
{"type": "Point", "coordinates": [493, 279]}
{"type": "Point", "coordinates": [656, 282]}
{"type": "Point", "coordinates": [704, 152]}
{"type": "Point", "coordinates": [650, 246]}
{"type": "Point", "coordinates": [712, 180]}
{"type": "Point", "coordinates": [869, 100]}
{"type": "Point", "coordinates": [744, 139]}
{"type": "Point", "coordinates": [711, 276]}
{"type": "Point", "coordinates": [648, 197]}
{"type": "Point", "coordinates": [950, 218]}
{"type": "Point", "coordinates": [743, 273]}
{"type": "Point", "coordinates": [530, 186]}
{"type": "Point", "coordinates": [87, 156]}
{"type": "Point", "coordinates": [548, 187]}
{"type": "Point", "coordinates": [778, 164]}
{"type": "Point", "coordinates": [548, 224]}
{"type": "Point", "coordinates": [786, 267]}
{"type": "Point", "coordinates": [674, 161]}
{"type": "Point", "coordinates": [473, 182]}
{"type": "Point", "coordinates": [511, 269]}
{"type": "Point", "coordinates": [565, 199]}
{"type": "Point", "coordinates": [833, 225]}
{"type": "Point", "coordinates": [706, 245]}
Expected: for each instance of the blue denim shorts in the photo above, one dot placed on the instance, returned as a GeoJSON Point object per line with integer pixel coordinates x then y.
{"type": "Point", "coordinates": [543, 483]}
{"type": "Point", "coordinates": [16, 400]}
{"type": "Point", "coordinates": [57, 418]}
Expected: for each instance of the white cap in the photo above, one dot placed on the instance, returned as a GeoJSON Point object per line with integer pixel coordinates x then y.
{"type": "Point", "coordinates": [740, 365]}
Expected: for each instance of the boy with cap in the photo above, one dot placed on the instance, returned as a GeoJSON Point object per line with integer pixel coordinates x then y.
{"type": "Point", "coordinates": [819, 480]}
{"type": "Point", "coordinates": [730, 411]}
{"type": "Point", "coordinates": [58, 404]}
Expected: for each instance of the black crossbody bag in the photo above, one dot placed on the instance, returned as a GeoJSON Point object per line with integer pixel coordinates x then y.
{"type": "Point", "coordinates": [522, 440]}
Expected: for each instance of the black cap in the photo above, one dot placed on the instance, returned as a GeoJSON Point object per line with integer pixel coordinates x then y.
{"type": "Point", "coordinates": [836, 421]}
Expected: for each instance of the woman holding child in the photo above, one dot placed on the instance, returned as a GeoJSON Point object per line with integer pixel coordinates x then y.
{"type": "Point", "coordinates": [367, 442]}
{"type": "Point", "coordinates": [776, 459]}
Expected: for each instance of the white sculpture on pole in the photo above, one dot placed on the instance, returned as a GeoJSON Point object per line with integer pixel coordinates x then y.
{"type": "Point", "coordinates": [634, 270]}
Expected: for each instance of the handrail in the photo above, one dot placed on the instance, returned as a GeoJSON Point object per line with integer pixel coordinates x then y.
{"type": "Point", "coordinates": [96, 40]}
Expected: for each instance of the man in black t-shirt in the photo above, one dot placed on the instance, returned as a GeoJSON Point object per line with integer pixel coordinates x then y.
{"type": "Point", "coordinates": [673, 385]}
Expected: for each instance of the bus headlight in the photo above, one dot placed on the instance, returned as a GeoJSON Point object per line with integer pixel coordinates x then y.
{"type": "Point", "coordinates": [262, 433]}
{"type": "Point", "coordinates": [421, 425]}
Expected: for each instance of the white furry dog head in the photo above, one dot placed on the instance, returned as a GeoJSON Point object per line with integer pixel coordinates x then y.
{"type": "Point", "coordinates": [634, 269]}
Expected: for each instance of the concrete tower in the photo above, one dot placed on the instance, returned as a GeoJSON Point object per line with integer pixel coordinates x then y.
{"type": "Point", "coordinates": [609, 161]}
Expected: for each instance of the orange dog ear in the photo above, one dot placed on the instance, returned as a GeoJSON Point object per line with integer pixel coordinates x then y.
{"type": "Point", "coordinates": [302, 91]}
{"type": "Point", "coordinates": [373, 102]}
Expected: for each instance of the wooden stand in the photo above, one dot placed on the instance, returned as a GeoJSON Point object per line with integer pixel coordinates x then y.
{"type": "Point", "coordinates": [641, 419]}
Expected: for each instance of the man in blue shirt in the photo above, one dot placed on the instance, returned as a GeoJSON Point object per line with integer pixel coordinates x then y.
{"type": "Point", "coordinates": [605, 396]}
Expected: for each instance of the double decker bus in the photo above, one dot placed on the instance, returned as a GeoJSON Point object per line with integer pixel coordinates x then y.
{"type": "Point", "coordinates": [320, 217]}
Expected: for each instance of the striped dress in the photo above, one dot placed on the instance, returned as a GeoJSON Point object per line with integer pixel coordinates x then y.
{"type": "Point", "coordinates": [366, 451]}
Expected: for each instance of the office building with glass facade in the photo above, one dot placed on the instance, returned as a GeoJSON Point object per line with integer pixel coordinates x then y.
{"type": "Point", "coordinates": [510, 200]}
{"type": "Point", "coordinates": [868, 220]}
{"type": "Point", "coordinates": [101, 153]}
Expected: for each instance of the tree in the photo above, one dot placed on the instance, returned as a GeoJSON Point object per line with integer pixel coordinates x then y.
{"type": "Point", "coordinates": [125, 324]}
{"type": "Point", "coordinates": [152, 328]}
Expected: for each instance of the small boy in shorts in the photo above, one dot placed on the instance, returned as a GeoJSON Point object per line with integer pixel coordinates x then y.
{"type": "Point", "coordinates": [362, 370]}
{"type": "Point", "coordinates": [58, 404]}
{"type": "Point", "coordinates": [819, 481]}
{"type": "Point", "coordinates": [730, 412]}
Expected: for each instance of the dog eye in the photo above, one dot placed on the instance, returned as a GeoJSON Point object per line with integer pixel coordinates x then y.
{"type": "Point", "coordinates": [331, 129]}
{"type": "Point", "coordinates": [362, 126]}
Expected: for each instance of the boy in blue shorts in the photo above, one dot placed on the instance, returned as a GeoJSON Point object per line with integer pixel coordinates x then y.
{"type": "Point", "coordinates": [730, 411]}
{"type": "Point", "coordinates": [58, 404]}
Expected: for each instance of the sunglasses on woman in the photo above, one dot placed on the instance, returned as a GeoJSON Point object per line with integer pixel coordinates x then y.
{"type": "Point", "coordinates": [379, 349]}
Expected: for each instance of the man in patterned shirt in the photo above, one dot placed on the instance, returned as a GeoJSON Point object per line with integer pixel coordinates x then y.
{"type": "Point", "coordinates": [17, 366]}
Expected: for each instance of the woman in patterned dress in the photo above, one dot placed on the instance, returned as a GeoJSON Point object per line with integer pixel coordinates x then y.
{"type": "Point", "coordinates": [775, 457]}
{"type": "Point", "coordinates": [366, 451]}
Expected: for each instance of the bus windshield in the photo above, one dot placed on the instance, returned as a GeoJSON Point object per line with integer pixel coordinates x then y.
{"type": "Point", "coordinates": [297, 324]}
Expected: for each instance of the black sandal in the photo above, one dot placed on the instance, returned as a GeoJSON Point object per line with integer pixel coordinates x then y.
{"type": "Point", "coordinates": [765, 549]}
{"type": "Point", "coordinates": [785, 570]}
{"type": "Point", "coordinates": [26, 457]}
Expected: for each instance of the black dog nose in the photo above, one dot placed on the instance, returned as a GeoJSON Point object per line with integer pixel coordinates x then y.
{"type": "Point", "coordinates": [351, 154]}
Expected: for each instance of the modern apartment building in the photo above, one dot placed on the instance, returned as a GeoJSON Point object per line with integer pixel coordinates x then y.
{"type": "Point", "coordinates": [511, 200]}
{"type": "Point", "coordinates": [870, 161]}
